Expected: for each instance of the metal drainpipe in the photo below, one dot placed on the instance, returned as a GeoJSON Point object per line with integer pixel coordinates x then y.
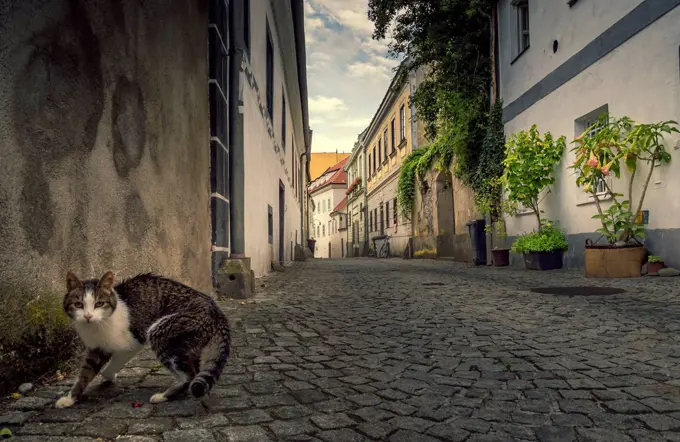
{"type": "Point", "coordinates": [302, 208]}
{"type": "Point", "coordinates": [365, 183]}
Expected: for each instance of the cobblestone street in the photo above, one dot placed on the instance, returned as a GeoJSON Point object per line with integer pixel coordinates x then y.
{"type": "Point", "coordinates": [398, 351]}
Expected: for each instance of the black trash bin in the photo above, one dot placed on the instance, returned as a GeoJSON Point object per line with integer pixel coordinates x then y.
{"type": "Point", "coordinates": [311, 243]}
{"type": "Point", "coordinates": [478, 239]}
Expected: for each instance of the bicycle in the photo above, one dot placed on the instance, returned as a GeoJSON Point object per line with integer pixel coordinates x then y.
{"type": "Point", "coordinates": [385, 249]}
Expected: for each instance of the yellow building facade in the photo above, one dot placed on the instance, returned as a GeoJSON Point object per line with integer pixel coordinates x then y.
{"type": "Point", "coordinates": [386, 143]}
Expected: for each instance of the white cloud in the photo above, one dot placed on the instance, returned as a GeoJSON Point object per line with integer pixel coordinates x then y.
{"type": "Point", "coordinates": [348, 72]}
{"type": "Point", "coordinates": [321, 104]}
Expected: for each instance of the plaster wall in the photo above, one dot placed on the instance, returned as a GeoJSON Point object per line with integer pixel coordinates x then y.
{"type": "Point", "coordinates": [104, 140]}
{"type": "Point", "coordinates": [639, 79]}
{"type": "Point", "coordinates": [269, 158]}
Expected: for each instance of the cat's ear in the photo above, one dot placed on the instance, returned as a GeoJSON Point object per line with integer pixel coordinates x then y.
{"type": "Point", "coordinates": [72, 282]}
{"type": "Point", "coordinates": [106, 282]}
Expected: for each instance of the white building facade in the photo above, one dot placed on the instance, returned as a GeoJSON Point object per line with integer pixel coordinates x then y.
{"type": "Point", "coordinates": [327, 192]}
{"type": "Point", "coordinates": [562, 64]}
{"type": "Point", "coordinates": [275, 134]}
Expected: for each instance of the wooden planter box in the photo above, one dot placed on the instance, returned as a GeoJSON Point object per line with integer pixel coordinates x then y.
{"type": "Point", "coordinates": [619, 262]}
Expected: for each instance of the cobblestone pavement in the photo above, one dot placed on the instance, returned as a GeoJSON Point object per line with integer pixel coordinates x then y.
{"type": "Point", "coordinates": [396, 351]}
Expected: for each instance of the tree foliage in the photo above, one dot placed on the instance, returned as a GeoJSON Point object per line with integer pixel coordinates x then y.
{"type": "Point", "coordinates": [530, 167]}
{"type": "Point", "coordinates": [450, 40]}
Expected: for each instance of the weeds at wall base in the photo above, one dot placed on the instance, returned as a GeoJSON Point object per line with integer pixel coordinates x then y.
{"type": "Point", "coordinates": [36, 338]}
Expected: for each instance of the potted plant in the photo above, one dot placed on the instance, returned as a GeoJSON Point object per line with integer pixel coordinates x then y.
{"type": "Point", "coordinates": [601, 151]}
{"type": "Point", "coordinates": [529, 172]}
{"type": "Point", "coordinates": [654, 264]}
{"type": "Point", "coordinates": [542, 249]}
{"type": "Point", "coordinates": [490, 203]}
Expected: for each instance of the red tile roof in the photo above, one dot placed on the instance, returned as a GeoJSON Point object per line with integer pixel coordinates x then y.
{"type": "Point", "coordinates": [340, 176]}
{"type": "Point", "coordinates": [341, 205]}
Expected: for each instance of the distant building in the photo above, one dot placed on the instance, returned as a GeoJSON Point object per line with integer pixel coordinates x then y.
{"type": "Point", "coordinates": [321, 161]}
{"type": "Point", "coordinates": [338, 244]}
{"type": "Point", "coordinates": [326, 192]}
{"type": "Point", "coordinates": [387, 141]}
{"type": "Point", "coordinates": [356, 201]}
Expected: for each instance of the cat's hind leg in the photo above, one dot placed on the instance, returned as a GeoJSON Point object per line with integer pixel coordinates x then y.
{"type": "Point", "coordinates": [174, 343]}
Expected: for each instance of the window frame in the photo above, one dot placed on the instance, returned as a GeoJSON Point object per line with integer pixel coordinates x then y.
{"type": "Point", "coordinates": [402, 123]}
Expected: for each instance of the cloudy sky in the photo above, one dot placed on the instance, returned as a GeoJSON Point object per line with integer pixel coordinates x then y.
{"type": "Point", "coordinates": [347, 72]}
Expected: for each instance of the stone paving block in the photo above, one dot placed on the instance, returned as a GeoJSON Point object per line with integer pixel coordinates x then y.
{"type": "Point", "coordinates": [251, 433]}
{"type": "Point", "coordinates": [151, 426]}
{"type": "Point", "coordinates": [342, 435]}
{"type": "Point", "coordinates": [284, 429]}
{"type": "Point", "coordinates": [195, 435]}
{"type": "Point", "coordinates": [332, 421]}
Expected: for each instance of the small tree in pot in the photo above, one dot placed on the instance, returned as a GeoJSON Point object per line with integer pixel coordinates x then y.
{"type": "Point", "coordinates": [600, 152]}
{"type": "Point", "coordinates": [529, 172]}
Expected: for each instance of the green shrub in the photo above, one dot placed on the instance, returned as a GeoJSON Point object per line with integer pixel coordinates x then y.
{"type": "Point", "coordinates": [35, 336]}
{"type": "Point", "coordinates": [654, 258]}
{"type": "Point", "coordinates": [550, 238]}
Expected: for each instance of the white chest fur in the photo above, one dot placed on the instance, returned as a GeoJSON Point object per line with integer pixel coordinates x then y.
{"type": "Point", "coordinates": [112, 334]}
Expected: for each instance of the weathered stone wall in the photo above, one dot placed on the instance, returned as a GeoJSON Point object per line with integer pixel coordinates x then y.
{"type": "Point", "coordinates": [104, 140]}
{"type": "Point", "coordinates": [432, 217]}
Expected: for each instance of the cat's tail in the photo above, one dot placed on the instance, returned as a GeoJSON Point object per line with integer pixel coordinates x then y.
{"type": "Point", "coordinates": [213, 360]}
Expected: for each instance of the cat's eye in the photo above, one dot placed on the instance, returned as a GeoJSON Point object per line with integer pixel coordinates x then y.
{"type": "Point", "coordinates": [99, 304]}
{"type": "Point", "coordinates": [78, 304]}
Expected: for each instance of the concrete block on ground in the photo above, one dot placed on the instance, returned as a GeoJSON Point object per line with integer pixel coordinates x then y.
{"type": "Point", "coordinates": [235, 279]}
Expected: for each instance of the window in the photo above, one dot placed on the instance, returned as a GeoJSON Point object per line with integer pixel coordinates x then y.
{"type": "Point", "coordinates": [394, 210]}
{"type": "Point", "coordinates": [270, 224]}
{"type": "Point", "coordinates": [270, 74]}
{"type": "Point", "coordinates": [330, 228]}
{"type": "Point", "coordinates": [283, 121]}
{"type": "Point", "coordinates": [370, 222]}
{"type": "Point", "coordinates": [385, 143]}
{"type": "Point", "coordinates": [387, 213]}
{"type": "Point", "coordinates": [361, 211]}
{"type": "Point", "coordinates": [329, 204]}
{"type": "Point", "coordinates": [392, 139]}
{"type": "Point", "coordinates": [522, 7]}
{"type": "Point", "coordinates": [323, 230]}
{"type": "Point", "coordinates": [369, 164]}
{"type": "Point", "coordinates": [382, 220]}
{"type": "Point", "coordinates": [402, 123]}
{"type": "Point", "coordinates": [380, 158]}
{"type": "Point", "coordinates": [246, 24]}
{"type": "Point", "coordinates": [373, 160]}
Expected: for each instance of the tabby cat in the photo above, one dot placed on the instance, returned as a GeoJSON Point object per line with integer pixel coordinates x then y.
{"type": "Point", "coordinates": [184, 327]}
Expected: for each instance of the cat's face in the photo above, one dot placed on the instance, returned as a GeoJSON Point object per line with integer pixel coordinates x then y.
{"type": "Point", "coordinates": [89, 301]}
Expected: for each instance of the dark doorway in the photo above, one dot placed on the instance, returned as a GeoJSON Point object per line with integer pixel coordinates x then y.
{"type": "Point", "coordinates": [342, 247]}
{"type": "Point", "coordinates": [282, 209]}
{"type": "Point", "coordinates": [445, 215]}
{"type": "Point", "coordinates": [329, 250]}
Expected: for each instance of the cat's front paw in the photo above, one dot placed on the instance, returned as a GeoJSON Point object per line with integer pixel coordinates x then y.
{"type": "Point", "coordinates": [158, 397]}
{"type": "Point", "coordinates": [65, 402]}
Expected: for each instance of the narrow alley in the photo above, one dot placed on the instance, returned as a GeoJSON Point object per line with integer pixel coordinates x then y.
{"type": "Point", "coordinates": [408, 350]}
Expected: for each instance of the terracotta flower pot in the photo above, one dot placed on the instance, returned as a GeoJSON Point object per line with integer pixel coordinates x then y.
{"type": "Point", "coordinates": [654, 267]}
{"type": "Point", "coordinates": [614, 262]}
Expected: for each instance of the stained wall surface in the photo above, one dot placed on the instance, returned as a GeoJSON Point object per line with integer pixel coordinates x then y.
{"type": "Point", "coordinates": [104, 140]}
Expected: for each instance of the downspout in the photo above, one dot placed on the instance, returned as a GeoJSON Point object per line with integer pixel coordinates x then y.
{"type": "Point", "coordinates": [303, 191]}
{"type": "Point", "coordinates": [236, 139]}
{"type": "Point", "coordinates": [490, 234]}
{"type": "Point", "coordinates": [365, 212]}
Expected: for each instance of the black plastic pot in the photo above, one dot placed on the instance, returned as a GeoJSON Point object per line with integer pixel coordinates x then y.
{"type": "Point", "coordinates": [543, 260]}
{"type": "Point", "coordinates": [478, 239]}
{"type": "Point", "coordinates": [501, 257]}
